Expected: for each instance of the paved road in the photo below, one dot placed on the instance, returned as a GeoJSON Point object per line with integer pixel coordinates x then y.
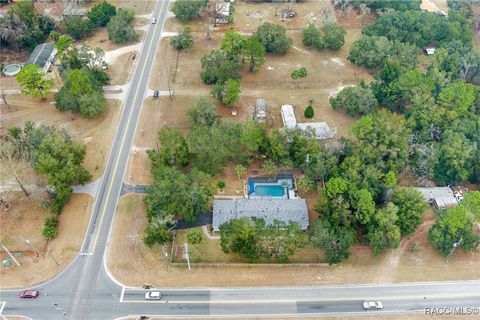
{"type": "Point", "coordinates": [85, 290]}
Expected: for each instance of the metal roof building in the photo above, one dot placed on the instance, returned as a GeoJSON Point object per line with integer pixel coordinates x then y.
{"type": "Point", "coordinates": [42, 56]}
{"type": "Point", "coordinates": [267, 209]}
{"type": "Point", "coordinates": [440, 197]}
{"type": "Point", "coordinates": [320, 129]}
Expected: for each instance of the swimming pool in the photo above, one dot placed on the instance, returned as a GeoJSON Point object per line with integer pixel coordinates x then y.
{"type": "Point", "coordinates": [269, 191]}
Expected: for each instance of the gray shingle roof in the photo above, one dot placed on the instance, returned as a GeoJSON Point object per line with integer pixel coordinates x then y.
{"type": "Point", "coordinates": [268, 209]}
{"type": "Point", "coordinates": [41, 54]}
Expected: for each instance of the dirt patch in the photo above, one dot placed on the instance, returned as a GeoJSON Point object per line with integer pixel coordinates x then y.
{"type": "Point", "coordinates": [26, 218]}
{"type": "Point", "coordinates": [99, 38]}
{"type": "Point", "coordinates": [121, 72]}
{"type": "Point", "coordinates": [137, 6]}
{"type": "Point", "coordinates": [96, 134]}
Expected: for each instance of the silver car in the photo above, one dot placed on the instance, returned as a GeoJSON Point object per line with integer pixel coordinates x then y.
{"type": "Point", "coordinates": [153, 295]}
{"type": "Point", "coordinates": [372, 305]}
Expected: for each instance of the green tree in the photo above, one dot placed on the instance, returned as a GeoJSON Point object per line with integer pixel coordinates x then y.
{"type": "Point", "coordinates": [78, 28]}
{"type": "Point", "coordinates": [255, 53]}
{"type": "Point", "coordinates": [217, 68]}
{"type": "Point", "coordinates": [173, 149]}
{"type": "Point", "coordinates": [158, 230]}
{"type": "Point", "coordinates": [273, 38]}
{"type": "Point", "coordinates": [471, 202]}
{"type": "Point", "coordinates": [333, 36]}
{"type": "Point", "coordinates": [411, 206]}
{"type": "Point", "coordinates": [120, 27]}
{"type": "Point", "coordinates": [458, 99]}
{"type": "Point", "coordinates": [357, 100]}
{"type": "Point", "coordinates": [239, 171]}
{"type": "Point", "coordinates": [33, 82]}
{"type": "Point", "coordinates": [456, 158]}
{"type": "Point", "coordinates": [269, 167]}
{"type": "Point", "coordinates": [101, 13]}
{"type": "Point", "coordinates": [453, 228]}
{"type": "Point", "coordinates": [177, 194]}
{"type": "Point", "coordinates": [62, 44]}
{"type": "Point", "coordinates": [233, 45]}
{"type": "Point", "coordinates": [364, 206]}
{"type": "Point", "coordinates": [203, 112]}
{"type": "Point", "coordinates": [194, 237]}
{"type": "Point", "coordinates": [383, 233]}
{"type": "Point", "coordinates": [334, 239]}
{"type": "Point", "coordinates": [227, 93]}
{"type": "Point", "coordinates": [183, 40]}
{"type": "Point", "coordinates": [312, 38]}
{"type": "Point", "coordinates": [281, 240]}
{"type": "Point", "coordinates": [242, 236]}
{"type": "Point", "coordinates": [186, 10]}
{"type": "Point", "coordinates": [92, 104]}
{"type": "Point", "coordinates": [309, 113]}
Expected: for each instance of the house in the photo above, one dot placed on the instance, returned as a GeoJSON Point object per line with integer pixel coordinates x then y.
{"type": "Point", "coordinates": [439, 197]}
{"type": "Point", "coordinates": [222, 12]}
{"type": "Point", "coordinates": [267, 209]}
{"type": "Point", "coordinates": [260, 110]}
{"type": "Point", "coordinates": [430, 50]}
{"type": "Point", "coordinates": [321, 130]}
{"type": "Point", "coordinates": [42, 56]}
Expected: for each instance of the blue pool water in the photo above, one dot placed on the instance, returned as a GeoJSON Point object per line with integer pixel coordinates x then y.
{"type": "Point", "coordinates": [271, 191]}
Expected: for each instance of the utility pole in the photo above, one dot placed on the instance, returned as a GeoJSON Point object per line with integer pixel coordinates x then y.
{"type": "Point", "coordinates": [11, 255]}
{"type": "Point", "coordinates": [455, 245]}
{"type": "Point", "coordinates": [187, 256]}
{"type": "Point", "coordinates": [29, 245]}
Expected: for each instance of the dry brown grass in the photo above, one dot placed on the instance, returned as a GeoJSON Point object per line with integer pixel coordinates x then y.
{"type": "Point", "coordinates": [99, 38]}
{"type": "Point", "coordinates": [137, 6]}
{"type": "Point", "coordinates": [28, 217]}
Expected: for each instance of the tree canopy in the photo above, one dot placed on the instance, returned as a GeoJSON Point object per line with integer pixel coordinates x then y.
{"type": "Point", "coordinates": [186, 10]}
{"type": "Point", "coordinates": [120, 27]}
{"type": "Point", "coordinates": [101, 13]}
{"type": "Point", "coordinates": [273, 38]}
{"type": "Point", "coordinates": [33, 81]}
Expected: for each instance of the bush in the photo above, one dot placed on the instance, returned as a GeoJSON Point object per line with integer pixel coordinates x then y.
{"type": "Point", "coordinates": [273, 38]}
{"type": "Point", "coordinates": [183, 40]}
{"type": "Point", "coordinates": [309, 112]}
{"type": "Point", "coordinates": [120, 27]}
{"type": "Point", "coordinates": [101, 13]}
{"type": "Point", "coordinates": [221, 184]}
{"type": "Point", "coordinates": [78, 28]}
{"type": "Point", "coordinates": [194, 237]}
{"type": "Point", "coordinates": [185, 10]}
{"type": "Point", "coordinates": [50, 228]}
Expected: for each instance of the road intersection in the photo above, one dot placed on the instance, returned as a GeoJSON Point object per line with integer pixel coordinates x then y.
{"type": "Point", "coordinates": [85, 290]}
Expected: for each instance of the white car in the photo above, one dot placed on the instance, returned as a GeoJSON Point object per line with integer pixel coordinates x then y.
{"type": "Point", "coordinates": [372, 305]}
{"type": "Point", "coordinates": [153, 295]}
{"type": "Point", "coordinates": [154, 20]}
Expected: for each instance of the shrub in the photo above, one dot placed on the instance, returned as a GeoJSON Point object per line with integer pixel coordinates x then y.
{"type": "Point", "coordinates": [309, 112]}
{"type": "Point", "coordinates": [194, 237]}
{"type": "Point", "coordinates": [50, 228]}
{"type": "Point", "coordinates": [221, 184]}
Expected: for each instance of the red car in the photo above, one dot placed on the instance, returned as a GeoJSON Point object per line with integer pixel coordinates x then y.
{"type": "Point", "coordinates": [29, 294]}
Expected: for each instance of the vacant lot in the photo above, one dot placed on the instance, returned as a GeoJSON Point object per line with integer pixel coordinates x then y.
{"type": "Point", "coordinates": [96, 134]}
{"type": "Point", "coordinates": [137, 6]}
{"type": "Point", "coordinates": [99, 38]}
{"type": "Point", "coordinates": [41, 260]}
{"type": "Point", "coordinates": [132, 263]}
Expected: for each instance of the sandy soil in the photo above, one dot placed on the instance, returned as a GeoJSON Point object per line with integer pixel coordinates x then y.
{"type": "Point", "coordinates": [96, 134]}
{"type": "Point", "coordinates": [121, 72]}
{"type": "Point", "coordinates": [137, 6]}
{"type": "Point", "coordinates": [99, 38]}
{"type": "Point", "coordinates": [28, 217]}
{"type": "Point", "coordinates": [132, 263]}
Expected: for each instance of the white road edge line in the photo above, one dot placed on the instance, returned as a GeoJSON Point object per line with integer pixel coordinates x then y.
{"type": "Point", "coordinates": [3, 306]}
{"type": "Point", "coordinates": [121, 295]}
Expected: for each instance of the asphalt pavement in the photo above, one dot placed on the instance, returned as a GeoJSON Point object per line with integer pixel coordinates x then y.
{"type": "Point", "coordinates": [85, 290]}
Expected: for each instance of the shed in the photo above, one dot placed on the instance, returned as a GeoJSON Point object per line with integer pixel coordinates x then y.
{"type": "Point", "coordinates": [223, 12]}
{"type": "Point", "coordinates": [268, 209]}
{"type": "Point", "coordinates": [288, 117]}
{"type": "Point", "coordinates": [430, 50]}
{"type": "Point", "coordinates": [321, 130]}
{"type": "Point", "coordinates": [260, 109]}
{"type": "Point", "coordinates": [439, 197]}
{"type": "Point", "coordinates": [42, 56]}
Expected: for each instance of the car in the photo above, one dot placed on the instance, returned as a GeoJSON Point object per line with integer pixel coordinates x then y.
{"type": "Point", "coordinates": [154, 20]}
{"type": "Point", "coordinates": [372, 305]}
{"type": "Point", "coordinates": [104, 65]}
{"type": "Point", "coordinates": [156, 94]}
{"type": "Point", "coordinates": [153, 295]}
{"type": "Point", "coordinates": [29, 294]}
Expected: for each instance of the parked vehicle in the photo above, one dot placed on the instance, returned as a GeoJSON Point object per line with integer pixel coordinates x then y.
{"type": "Point", "coordinates": [29, 294]}
{"type": "Point", "coordinates": [155, 94]}
{"type": "Point", "coordinates": [372, 305]}
{"type": "Point", "coordinates": [154, 20]}
{"type": "Point", "coordinates": [153, 295]}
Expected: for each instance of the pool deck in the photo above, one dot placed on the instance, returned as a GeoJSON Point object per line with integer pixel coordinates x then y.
{"type": "Point", "coordinates": [287, 183]}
